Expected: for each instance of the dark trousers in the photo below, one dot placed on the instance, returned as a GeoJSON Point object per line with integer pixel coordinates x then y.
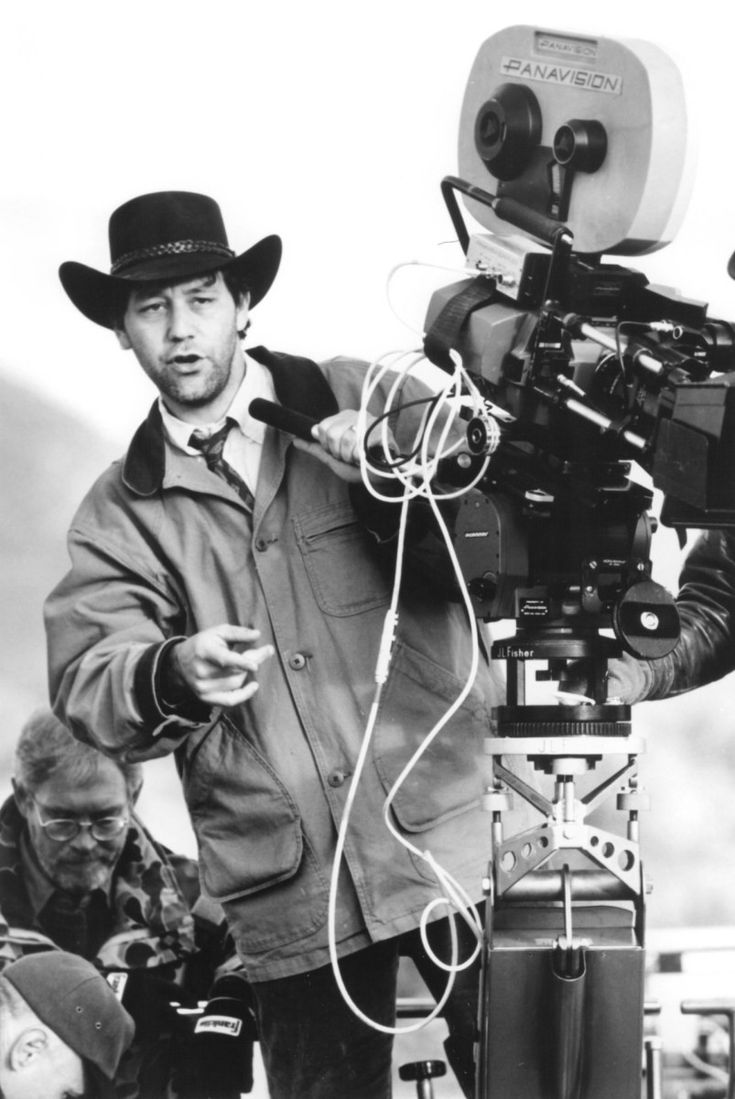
{"type": "Point", "coordinates": [315, 1047]}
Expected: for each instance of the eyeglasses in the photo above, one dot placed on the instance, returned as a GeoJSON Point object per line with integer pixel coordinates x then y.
{"type": "Point", "coordinates": [64, 829]}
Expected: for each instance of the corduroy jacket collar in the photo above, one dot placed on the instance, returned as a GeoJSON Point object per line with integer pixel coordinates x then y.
{"type": "Point", "coordinates": [299, 385]}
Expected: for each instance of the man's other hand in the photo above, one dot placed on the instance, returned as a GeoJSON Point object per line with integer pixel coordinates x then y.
{"type": "Point", "coordinates": [627, 680]}
{"type": "Point", "coordinates": [218, 665]}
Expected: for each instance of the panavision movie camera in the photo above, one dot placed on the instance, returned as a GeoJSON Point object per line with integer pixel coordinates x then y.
{"type": "Point", "coordinates": [571, 148]}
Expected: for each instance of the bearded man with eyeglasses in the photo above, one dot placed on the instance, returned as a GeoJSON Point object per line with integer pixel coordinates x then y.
{"type": "Point", "coordinates": [79, 871]}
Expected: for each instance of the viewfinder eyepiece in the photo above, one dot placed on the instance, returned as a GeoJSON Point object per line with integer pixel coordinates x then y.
{"type": "Point", "coordinates": [580, 144]}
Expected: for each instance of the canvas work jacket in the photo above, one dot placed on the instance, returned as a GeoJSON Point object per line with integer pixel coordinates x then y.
{"type": "Point", "coordinates": [162, 548]}
{"type": "Point", "coordinates": [706, 602]}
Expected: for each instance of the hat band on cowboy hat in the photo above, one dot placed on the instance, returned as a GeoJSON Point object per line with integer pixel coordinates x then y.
{"type": "Point", "coordinates": [166, 236]}
{"type": "Point", "coordinates": [174, 248]}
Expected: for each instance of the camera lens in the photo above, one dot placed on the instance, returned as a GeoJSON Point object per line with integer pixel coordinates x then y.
{"type": "Point", "coordinates": [508, 129]}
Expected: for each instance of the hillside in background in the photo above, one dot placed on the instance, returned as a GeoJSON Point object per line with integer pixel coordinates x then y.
{"type": "Point", "coordinates": [49, 459]}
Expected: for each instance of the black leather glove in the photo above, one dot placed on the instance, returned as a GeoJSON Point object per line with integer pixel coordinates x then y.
{"type": "Point", "coordinates": [217, 1062]}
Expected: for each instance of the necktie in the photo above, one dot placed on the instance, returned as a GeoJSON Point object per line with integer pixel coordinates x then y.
{"type": "Point", "coordinates": [212, 447]}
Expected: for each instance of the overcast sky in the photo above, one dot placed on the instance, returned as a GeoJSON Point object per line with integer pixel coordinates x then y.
{"type": "Point", "coordinates": [330, 123]}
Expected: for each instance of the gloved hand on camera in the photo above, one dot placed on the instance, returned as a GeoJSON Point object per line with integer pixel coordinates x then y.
{"type": "Point", "coordinates": [217, 1062]}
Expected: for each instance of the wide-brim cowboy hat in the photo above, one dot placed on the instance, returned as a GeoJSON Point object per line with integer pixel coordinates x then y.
{"type": "Point", "coordinates": [167, 235]}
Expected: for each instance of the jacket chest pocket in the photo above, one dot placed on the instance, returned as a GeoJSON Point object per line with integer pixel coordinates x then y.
{"type": "Point", "coordinates": [339, 561]}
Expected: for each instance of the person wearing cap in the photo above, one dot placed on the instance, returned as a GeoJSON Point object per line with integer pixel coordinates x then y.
{"type": "Point", "coordinates": [80, 871]}
{"type": "Point", "coordinates": [225, 602]}
{"type": "Point", "coordinates": [705, 651]}
{"type": "Point", "coordinates": [63, 1033]}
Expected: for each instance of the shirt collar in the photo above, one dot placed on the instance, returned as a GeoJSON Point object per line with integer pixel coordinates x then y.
{"type": "Point", "coordinates": [298, 383]}
{"type": "Point", "coordinates": [257, 382]}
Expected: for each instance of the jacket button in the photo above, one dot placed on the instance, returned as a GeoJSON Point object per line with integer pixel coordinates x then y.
{"type": "Point", "coordinates": [297, 662]}
{"type": "Point", "coordinates": [261, 544]}
{"type": "Point", "coordinates": [336, 778]}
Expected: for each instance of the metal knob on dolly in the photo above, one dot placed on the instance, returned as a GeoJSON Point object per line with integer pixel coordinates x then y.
{"type": "Point", "coordinates": [422, 1072]}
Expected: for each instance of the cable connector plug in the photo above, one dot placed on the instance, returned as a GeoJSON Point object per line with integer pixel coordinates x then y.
{"type": "Point", "coordinates": [386, 647]}
{"type": "Point", "coordinates": [668, 328]}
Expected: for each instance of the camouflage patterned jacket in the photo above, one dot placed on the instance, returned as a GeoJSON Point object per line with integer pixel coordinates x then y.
{"type": "Point", "coordinates": [166, 945]}
{"type": "Point", "coordinates": [154, 900]}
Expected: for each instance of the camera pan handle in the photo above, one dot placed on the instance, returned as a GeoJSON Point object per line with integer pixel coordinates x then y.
{"type": "Point", "coordinates": [546, 229]}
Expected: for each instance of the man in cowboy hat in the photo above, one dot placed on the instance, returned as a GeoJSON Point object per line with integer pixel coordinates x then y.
{"type": "Point", "coordinates": [225, 603]}
{"type": "Point", "coordinates": [63, 1032]}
